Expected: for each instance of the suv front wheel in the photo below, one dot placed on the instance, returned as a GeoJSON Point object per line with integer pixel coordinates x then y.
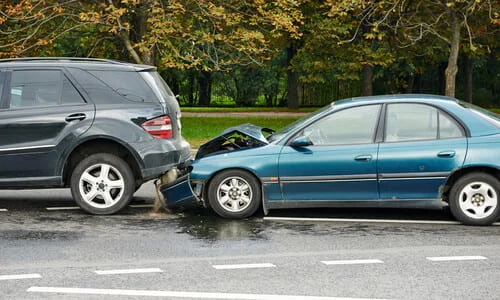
{"type": "Point", "coordinates": [102, 184]}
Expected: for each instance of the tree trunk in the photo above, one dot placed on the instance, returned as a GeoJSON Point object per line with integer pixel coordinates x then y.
{"type": "Point", "coordinates": [367, 80]}
{"type": "Point", "coordinates": [410, 83]}
{"type": "Point", "coordinates": [367, 68]}
{"type": "Point", "coordinates": [452, 68]}
{"type": "Point", "coordinates": [191, 87]}
{"type": "Point", "coordinates": [293, 96]}
{"type": "Point", "coordinates": [139, 20]}
{"type": "Point", "coordinates": [468, 80]}
{"type": "Point", "coordinates": [205, 80]}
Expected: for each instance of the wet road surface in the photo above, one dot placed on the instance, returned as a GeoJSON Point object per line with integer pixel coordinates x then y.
{"type": "Point", "coordinates": [138, 254]}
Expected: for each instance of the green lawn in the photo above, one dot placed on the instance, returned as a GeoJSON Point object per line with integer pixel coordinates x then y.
{"type": "Point", "coordinates": [198, 130]}
{"type": "Point", "coordinates": [246, 109]}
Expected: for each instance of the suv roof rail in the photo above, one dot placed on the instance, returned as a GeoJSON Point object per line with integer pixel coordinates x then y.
{"type": "Point", "coordinates": [73, 59]}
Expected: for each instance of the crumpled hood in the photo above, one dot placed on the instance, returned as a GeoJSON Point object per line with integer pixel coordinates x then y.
{"type": "Point", "coordinates": [235, 138]}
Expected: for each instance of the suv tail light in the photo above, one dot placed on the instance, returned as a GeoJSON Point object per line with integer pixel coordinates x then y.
{"type": "Point", "coordinates": [160, 127]}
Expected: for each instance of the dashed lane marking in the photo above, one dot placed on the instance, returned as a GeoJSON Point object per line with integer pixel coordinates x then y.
{"type": "Point", "coordinates": [353, 262]}
{"type": "Point", "coordinates": [3, 209]}
{"type": "Point", "coordinates": [177, 294]}
{"type": "Point", "coordinates": [141, 205]}
{"type": "Point", "coordinates": [128, 271]}
{"type": "Point", "coordinates": [20, 276]}
{"type": "Point", "coordinates": [77, 207]}
{"type": "Point", "coordinates": [63, 208]}
{"type": "Point", "coordinates": [367, 220]}
{"type": "Point", "coordinates": [243, 266]}
{"type": "Point", "coordinates": [455, 258]}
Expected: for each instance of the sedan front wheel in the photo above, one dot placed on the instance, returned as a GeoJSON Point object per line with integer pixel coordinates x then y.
{"type": "Point", "coordinates": [234, 194]}
{"type": "Point", "coordinates": [474, 199]}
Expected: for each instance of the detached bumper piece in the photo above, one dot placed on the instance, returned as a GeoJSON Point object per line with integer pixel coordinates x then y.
{"type": "Point", "coordinates": [179, 193]}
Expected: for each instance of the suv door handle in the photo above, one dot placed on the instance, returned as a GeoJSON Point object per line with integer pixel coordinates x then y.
{"type": "Point", "coordinates": [450, 153]}
{"type": "Point", "coordinates": [363, 157]}
{"type": "Point", "coordinates": [77, 116]}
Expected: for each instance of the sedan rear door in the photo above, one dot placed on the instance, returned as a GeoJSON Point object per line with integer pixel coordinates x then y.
{"type": "Point", "coordinates": [422, 146]}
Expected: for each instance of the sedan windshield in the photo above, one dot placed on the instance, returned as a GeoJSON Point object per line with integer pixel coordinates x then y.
{"type": "Point", "coordinates": [278, 135]}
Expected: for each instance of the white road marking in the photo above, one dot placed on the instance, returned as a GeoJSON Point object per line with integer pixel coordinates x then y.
{"type": "Point", "coordinates": [243, 266]}
{"type": "Point", "coordinates": [63, 208]}
{"type": "Point", "coordinates": [353, 262]}
{"type": "Point", "coordinates": [20, 276]}
{"type": "Point", "coordinates": [141, 205]}
{"type": "Point", "coordinates": [175, 294]}
{"type": "Point", "coordinates": [367, 220]}
{"type": "Point", "coordinates": [3, 209]}
{"type": "Point", "coordinates": [128, 271]}
{"type": "Point", "coordinates": [455, 258]}
{"type": "Point", "coordinates": [77, 207]}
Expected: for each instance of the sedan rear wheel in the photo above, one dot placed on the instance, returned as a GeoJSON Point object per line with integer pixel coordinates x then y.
{"type": "Point", "coordinates": [102, 184]}
{"type": "Point", "coordinates": [234, 194]}
{"type": "Point", "coordinates": [474, 199]}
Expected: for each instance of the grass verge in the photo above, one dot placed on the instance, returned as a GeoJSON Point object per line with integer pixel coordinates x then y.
{"type": "Point", "coordinates": [198, 130]}
{"type": "Point", "coordinates": [245, 109]}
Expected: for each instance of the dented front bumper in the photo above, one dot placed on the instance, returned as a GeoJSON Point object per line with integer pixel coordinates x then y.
{"type": "Point", "coordinates": [182, 192]}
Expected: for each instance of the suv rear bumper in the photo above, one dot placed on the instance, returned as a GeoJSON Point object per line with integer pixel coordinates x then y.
{"type": "Point", "coordinates": [160, 155]}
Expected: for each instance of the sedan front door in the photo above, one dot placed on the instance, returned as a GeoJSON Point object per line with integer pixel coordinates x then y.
{"type": "Point", "coordinates": [338, 165]}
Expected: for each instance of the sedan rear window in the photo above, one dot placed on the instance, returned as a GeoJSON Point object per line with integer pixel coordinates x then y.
{"type": "Point", "coordinates": [484, 113]}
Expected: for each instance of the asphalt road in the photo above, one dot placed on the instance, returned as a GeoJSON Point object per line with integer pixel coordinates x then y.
{"type": "Point", "coordinates": [137, 254]}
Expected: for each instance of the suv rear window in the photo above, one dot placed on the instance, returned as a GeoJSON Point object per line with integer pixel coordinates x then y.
{"type": "Point", "coordinates": [128, 84]}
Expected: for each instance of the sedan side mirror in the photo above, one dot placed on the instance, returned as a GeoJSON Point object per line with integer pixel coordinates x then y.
{"type": "Point", "coordinates": [300, 141]}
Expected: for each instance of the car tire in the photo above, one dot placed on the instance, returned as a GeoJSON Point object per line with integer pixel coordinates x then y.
{"type": "Point", "coordinates": [474, 199]}
{"type": "Point", "coordinates": [234, 194]}
{"type": "Point", "coordinates": [102, 184]}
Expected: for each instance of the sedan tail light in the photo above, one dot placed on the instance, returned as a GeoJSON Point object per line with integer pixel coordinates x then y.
{"type": "Point", "coordinates": [160, 127]}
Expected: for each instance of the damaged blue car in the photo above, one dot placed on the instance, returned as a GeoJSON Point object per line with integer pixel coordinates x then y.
{"type": "Point", "coordinates": [398, 151]}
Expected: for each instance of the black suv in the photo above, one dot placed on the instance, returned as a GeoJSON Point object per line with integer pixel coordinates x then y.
{"type": "Point", "coordinates": [100, 127]}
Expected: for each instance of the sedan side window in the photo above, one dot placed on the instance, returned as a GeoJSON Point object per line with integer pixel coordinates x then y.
{"type": "Point", "coordinates": [449, 128]}
{"type": "Point", "coordinates": [349, 126]}
{"type": "Point", "coordinates": [413, 122]}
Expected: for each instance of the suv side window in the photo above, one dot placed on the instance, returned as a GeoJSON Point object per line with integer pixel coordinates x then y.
{"type": "Point", "coordinates": [413, 122]}
{"type": "Point", "coordinates": [41, 88]}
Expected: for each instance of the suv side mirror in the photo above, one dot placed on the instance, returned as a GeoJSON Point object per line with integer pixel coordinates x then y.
{"type": "Point", "coordinates": [300, 141]}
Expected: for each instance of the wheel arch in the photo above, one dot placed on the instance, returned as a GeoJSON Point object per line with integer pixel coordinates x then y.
{"type": "Point", "coordinates": [101, 145]}
{"type": "Point", "coordinates": [457, 174]}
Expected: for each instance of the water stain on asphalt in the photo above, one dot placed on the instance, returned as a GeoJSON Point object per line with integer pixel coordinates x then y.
{"type": "Point", "coordinates": [216, 229]}
{"type": "Point", "coordinates": [38, 235]}
{"type": "Point", "coordinates": [203, 225]}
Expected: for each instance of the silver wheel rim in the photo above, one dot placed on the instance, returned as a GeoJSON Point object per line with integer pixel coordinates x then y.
{"type": "Point", "coordinates": [234, 194]}
{"type": "Point", "coordinates": [478, 200]}
{"type": "Point", "coordinates": [101, 186]}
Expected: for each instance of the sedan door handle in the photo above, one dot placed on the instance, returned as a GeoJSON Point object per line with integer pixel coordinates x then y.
{"type": "Point", "coordinates": [73, 117]}
{"type": "Point", "coordinates": [363, 157]}
{"type": "Point", "coordinates": [450, 153]}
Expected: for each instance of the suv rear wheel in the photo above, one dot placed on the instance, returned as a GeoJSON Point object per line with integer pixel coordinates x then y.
{"type": "Point", "coordinates": [102, 184]}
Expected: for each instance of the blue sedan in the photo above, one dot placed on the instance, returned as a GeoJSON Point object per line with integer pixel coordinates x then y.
{"type": "Point", "coordinates": [398, 151]}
